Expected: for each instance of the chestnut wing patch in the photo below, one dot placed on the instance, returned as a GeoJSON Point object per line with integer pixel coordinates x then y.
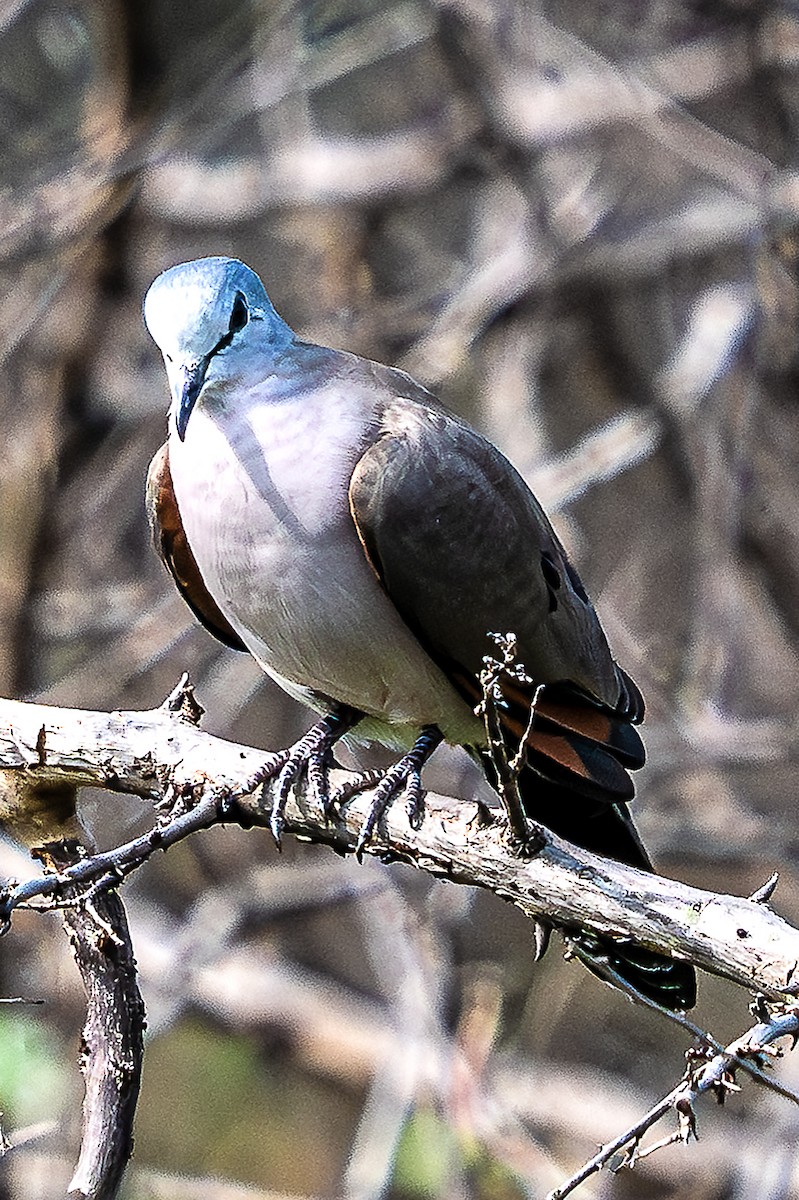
{"type": "Point", "coordinates": [169, 539]}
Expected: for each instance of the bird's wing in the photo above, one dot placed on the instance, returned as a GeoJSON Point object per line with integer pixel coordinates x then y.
{"type": "Point", "coordinates": [169, 539]}
{"type": "Point", "coordinates": [463, 549]}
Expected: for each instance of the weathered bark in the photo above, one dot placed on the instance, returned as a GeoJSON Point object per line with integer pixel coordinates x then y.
{"type": "Point", "coordinates": [146, 753]}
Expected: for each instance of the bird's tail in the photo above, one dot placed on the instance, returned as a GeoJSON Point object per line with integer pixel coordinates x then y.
{"type": "Point", "coordinates": [576, 783]}
{"type": "Point", "coordinates": [666, 981]}
{"type": "Point", "coordinates": [608, 829]}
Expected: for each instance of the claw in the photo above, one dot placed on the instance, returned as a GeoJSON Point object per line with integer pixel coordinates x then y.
{"type": "Point", "coordinates": [405, 774]}
{"type": "Point", "coordinates": [311, 754]}
{"type": "Point", "coordinates": [543, 933]}
{"type": "Point", "coordinates": [414, 800]}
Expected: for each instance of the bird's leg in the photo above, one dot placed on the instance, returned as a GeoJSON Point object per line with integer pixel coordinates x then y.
{"type": "Point", "coordinates": [311, 753]}
{"type": "Point", "coordinates": [406, 774]}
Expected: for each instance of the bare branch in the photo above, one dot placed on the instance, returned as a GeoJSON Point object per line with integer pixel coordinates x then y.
{"type": "Point", "coordinates": [159, 754]}
{"type": "Point", "coordinates": [113, 1035]}
{"type": "Point", "coordinates": [716, 1076]}
{"type": "Point", "coordinates": [604, 970]}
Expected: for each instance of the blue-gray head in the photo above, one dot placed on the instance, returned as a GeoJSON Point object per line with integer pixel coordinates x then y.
{"type": "Point", "coordinates": [200, 312]}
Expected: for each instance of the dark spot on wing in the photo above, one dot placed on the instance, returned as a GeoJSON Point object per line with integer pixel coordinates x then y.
{"type": "Point", "coordinates": [551, 579]}
{"type": "Point", "coordinates": [576, 582]}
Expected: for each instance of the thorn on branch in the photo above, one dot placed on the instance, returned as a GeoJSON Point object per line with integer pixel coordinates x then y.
{"type": "Point", "coordinates": [724, 1085]}
{"type": "Point", "coordinates": [763, 894]}
{"type": "Point", "coordinates": [543, 934]}
{"type": "Point", "coordinates": [686, 1120]}
{"type": "Point", "coordinates": [41, 747]}
{"type": "Point", "coordinates": [182, 702]}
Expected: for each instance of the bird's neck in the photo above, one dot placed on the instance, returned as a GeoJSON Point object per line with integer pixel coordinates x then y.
{"type": "Point", "coordinates": [284, 366]}
{"type": "Point", "coordinates": [271, 329]}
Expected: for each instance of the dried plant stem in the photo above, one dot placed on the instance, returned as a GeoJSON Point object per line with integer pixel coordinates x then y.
{"type": "Point", "coordinates": [716, 1076]}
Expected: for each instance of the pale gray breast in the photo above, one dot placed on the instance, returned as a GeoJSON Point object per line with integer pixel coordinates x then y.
{"type": "Point", "coordinates": [263, 495]}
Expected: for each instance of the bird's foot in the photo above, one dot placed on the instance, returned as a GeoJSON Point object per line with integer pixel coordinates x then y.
{"type": "Point", "coordinates": [312, 754]}
{"type": "Point", "coordinates": [404, 777]}
{"type": "Point", "coordinates": [357, 783]}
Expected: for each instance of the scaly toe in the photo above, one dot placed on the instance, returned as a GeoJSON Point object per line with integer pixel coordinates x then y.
{"type": "Point", "coordinates": [311, 754]}
{"type": "Point", "coordinates": [414, 800]}
{"type": "Point", "coordinates": [289, 775]}
{"type": "Point", "coordinates": [353, 787]}
{"type": "Point", "coordinates": [405, 775]}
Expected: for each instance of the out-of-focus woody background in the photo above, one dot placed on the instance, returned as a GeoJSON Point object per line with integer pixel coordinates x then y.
{"type": "Point", "coordinates": [576, 220]}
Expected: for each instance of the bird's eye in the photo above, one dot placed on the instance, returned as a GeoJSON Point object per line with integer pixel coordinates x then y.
{"type": "Point", "coordinates": [240, 314]}
{"type": "Point", "coordinates": [239, 317]}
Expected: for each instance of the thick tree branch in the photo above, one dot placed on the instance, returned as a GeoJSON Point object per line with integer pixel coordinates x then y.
{"type": "Point", "coordinates": [113, 1033]}
{"type": "Point", "coordinates": [112, 1044]}
{"type": "Point", "coordinates": [163, 756]}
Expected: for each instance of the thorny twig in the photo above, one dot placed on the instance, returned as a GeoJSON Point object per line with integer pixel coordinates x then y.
{"type": "Point", "coordinates": [716, 1076]}
{"type": "Point", "coordinates": [105, 870]}
{"type": "Point", "coordinates": [601, 967]}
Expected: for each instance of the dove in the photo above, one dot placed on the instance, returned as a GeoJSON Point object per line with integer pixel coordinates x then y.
{"type": "Point", "coordinates": [328, 515]}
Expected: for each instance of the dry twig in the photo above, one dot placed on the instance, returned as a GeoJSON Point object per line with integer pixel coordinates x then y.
{"type": "Point", "coordinates": [716, 1076]}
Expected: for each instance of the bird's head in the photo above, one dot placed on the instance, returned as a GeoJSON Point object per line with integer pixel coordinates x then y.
{"type": "Point", "coordinates": [200, 312]}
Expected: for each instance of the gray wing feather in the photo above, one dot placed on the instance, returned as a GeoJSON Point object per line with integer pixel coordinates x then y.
{"type": "Point", "coordinates": [463, 549]}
